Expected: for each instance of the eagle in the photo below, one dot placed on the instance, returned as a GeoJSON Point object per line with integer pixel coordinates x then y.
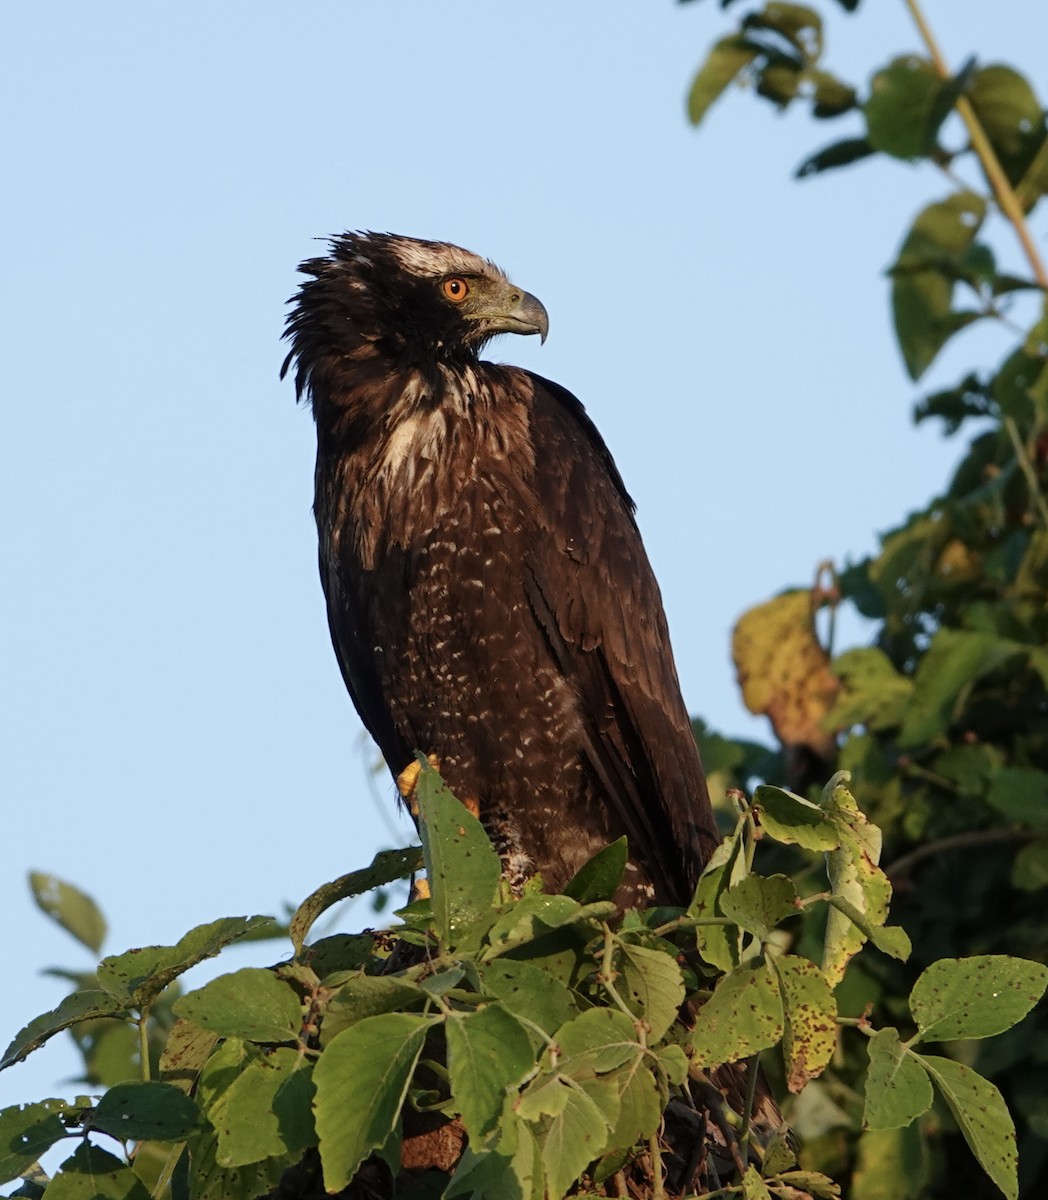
{"type": "Point", "coordinates": [488, 594]}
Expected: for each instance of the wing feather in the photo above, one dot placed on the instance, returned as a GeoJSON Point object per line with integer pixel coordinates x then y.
{"type": "Point", "coordinates": [593, 592]}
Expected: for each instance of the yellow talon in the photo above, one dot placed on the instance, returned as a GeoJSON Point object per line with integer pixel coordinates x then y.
{"type": "Point", "coordinates": [420, 890]}
{"type": "Point", "coordinates": [407, 781]}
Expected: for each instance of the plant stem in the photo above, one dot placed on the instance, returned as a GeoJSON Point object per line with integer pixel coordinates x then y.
{"type": "Point", "coordinates": [658, 1187]}
{"type": "Point", "coordinates": [955, 841]}
{"type": "Point", "coordinates": [143, 1043]}
{"type": "Point", "coordinates": [1027, 469]}
{"type": "Point", "coordinates": [752, 1070]}
{"type": "Point", "coordinates": [1002, 189]}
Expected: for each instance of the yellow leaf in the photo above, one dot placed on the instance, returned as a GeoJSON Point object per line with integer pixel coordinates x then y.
{"type": "Point", "coordinates": [784, 671]}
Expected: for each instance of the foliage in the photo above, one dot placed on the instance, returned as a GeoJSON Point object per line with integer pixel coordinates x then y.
{"type": "Point", "coordinates": [943, 720]}
{"type": "Point", "coordinates": [547, 1034]}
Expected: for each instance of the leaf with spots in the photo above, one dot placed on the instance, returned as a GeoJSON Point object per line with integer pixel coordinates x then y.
{"type": "Point", "coordinates": [898, 1089]}
{"type": "Point", "coordinates": [386, 867]}
{"type": "Point", "coordinates": [251, 1003]}
{"type": "Point", "coordinates": [93, 1173]}
{"type": "Point", "coordinates": [718, 944]}
{"type": "Point", "coordinates": [27, 1132]}
{"type": "Point", "coordinates": [652, 986]}
{"type": "Point", "coordinates": [528, 992]}
{"type": "Point", "coordinates": [744, 1015]}
{"type": "Point", "coordinates": [975, 997]}
{"type": "Point", "coordinates": [136, 1111]}
{"type": "Point", "coordinates": [138, 976]}
{"type": "Point", "coordinates": [758, 904]}
{"type": "Point", "coordinates": [86, 1005]}
{"type": "Point", "coordinates": [810, 1013]}
{"type": "Point", "coordinates": [983, 1117]}
{"type": "Point", "coordinates": [461, 865]}
{"type": "Point", "coordinates": [855, 878]}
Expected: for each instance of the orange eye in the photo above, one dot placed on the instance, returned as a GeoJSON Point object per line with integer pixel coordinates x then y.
{"type": "Point", "coordinates": [455, 289]}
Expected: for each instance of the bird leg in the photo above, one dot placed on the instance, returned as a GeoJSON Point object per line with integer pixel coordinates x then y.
{"type": "Point", "coordinates": [407, 782]}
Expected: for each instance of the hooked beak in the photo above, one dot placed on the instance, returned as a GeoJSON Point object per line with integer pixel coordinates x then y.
{"type": "Point", "coordinates": [521, 312]}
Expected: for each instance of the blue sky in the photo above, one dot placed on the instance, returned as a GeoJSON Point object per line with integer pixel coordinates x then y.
{"type": "Point", "coordinates": [177, 740]}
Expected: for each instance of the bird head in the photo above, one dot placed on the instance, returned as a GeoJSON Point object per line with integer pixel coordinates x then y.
{"type": "Point", "coordinates": [411, 302]}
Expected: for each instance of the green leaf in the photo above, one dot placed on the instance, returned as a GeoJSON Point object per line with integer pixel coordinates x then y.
{"type": "Point", "coordinates": [1011, 116]}
{"type": "Point", "coordinates": [652, 984]}
{"type": "Point", "coordinates": [529, 992]}
{"type": "Point", "coordinates": [889, 939]}
{"type": "Point", "coordinates": [640, 1106]}
{"type": "Point", "coordinates": [212, 1181]}
{"type": "Point", "coordinates": [1020, 794]}
{"type": "Point", "coordinates": [743, 1016]}
{"type": "Point", "coordinates": [85, 1005]}
{"type": "Point", "coordinates": [570, 1139]}
{"type": "Point", "coordinates": [489, 1054]}
{"type": "Point", "coordinates": [673, 1063]}
{"type": "Point", "coordinates": [952, 663]}
{"type": "Point", "coordinates": [753, 1187]}
{"type": "Point", "coordinates": [71, 908]}
{"type": "Point", "coordinates": [975, 997]}
{"type": "Point", "coordinates": [266, 1110]}
{"type": "Point", "coordinates": [728, 57]}
{"type": "Point", "coordinates": [366, 996]}
{"type": "Point", "coordinates": [892, 1165]}
{"type": "Point", "coordinates": [983, 1117]}
{"type": "Point", "coordinates": [837, 154]}
{"type": "Point", "coordinates": [796, 24]}
{"type": "Point", "coordinates": [1030, 868]}
{"type": "Point", "coordinates": [793, 820]}
{"type": "Point", "coordinates": [898, 1089]}
{"type": "Point", "coordinates": [759, 904]}
{"type": "Point", "coordinates": [92, 1173]}
{"type": "Point", "coordinates": [718, 944]}
{"type": "Point", "coordinates": [251, 1003]}
{"type": "Point", "coordinates": [599, 879]}
{"type": "Point", "coordinates": [26, 1132]}
{"type": "Point", "coordinates": [386, 867]}
{"type": "Point", "coordinates": [184, 1054]}
{"type": "Point", "coordinates": [855, 878]}
{"type": "Point", "coordinates": [361, 1083]}
{"type": "Point", "coordinates": [872, 692]}
{"type": "Point", "coordinates": [506, 1168]}
{"type": "Point", "coordinates": [138, 1111]}
{"type": "Point", "coordinates": [903, 114]}
{"type": "Point", "coordinates": [923, 277]}
{"type": "Point", "coordinates": [139, 976]}
{"type": "Point", "coordinates": [601, 1039]}
{"type": "Point", "coordinates": [810, 1016]}
{"type": "Point", "coordinates": [530, 918]}
{"type": "Point", "coordinates": [462, 868]}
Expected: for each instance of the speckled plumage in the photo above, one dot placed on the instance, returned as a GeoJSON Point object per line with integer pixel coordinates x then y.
{"type": "Point", "coordinates": [488, 595]}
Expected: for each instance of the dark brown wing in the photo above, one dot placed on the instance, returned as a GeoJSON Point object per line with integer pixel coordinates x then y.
{"type": "Point", "coordinates": [352, 638]}
{"type": "Point", "coordinates": [593, 592]}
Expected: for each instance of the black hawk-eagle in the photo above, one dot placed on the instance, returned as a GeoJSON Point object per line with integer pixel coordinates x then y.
{"type": "Point", "coordinates": [489, 598]}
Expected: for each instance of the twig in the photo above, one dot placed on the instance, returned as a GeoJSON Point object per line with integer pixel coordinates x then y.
{"type": "Point", "coordinates": [1002, 189]}
{"type": "Point", "coordinates": [1027, 469]}
{"type": "Point", "coordinates": [955, 841]}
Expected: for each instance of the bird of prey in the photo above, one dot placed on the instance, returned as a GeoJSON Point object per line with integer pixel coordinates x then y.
{"type": "Point", "coordinates": [489, 598]}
